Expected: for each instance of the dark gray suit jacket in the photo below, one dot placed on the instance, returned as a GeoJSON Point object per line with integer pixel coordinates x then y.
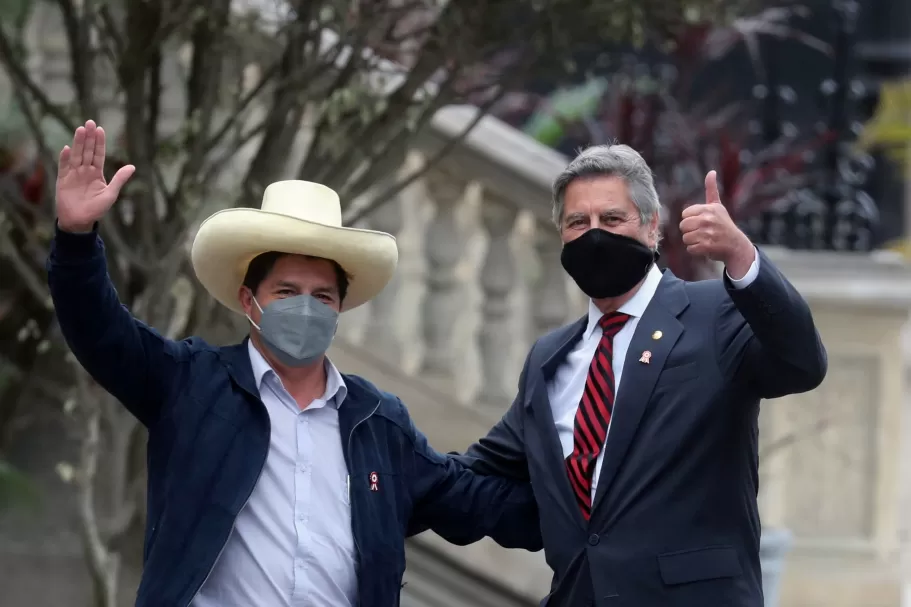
{"type": "Point", "coordinates": [675, 521]}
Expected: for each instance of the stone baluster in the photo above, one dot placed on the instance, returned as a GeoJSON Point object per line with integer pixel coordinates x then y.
{"type": "Point", "coordinates": [498, 278]}
{"type": "Point", "coordinates": [443, 249]}
{"type": "Point", "coordinates": [380, 335]}
{"type": "Point", "coordinates": [550, 304]}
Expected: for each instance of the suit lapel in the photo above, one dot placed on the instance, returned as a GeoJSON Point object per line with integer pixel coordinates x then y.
{"type": "Point", "coordinates": [638, 380]}
{"type": "Point", "coordinates": [539, 404]}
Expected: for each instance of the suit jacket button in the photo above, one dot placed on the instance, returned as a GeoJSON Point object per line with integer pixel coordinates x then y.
{"type": "Point", "coordinates": [593, 539]}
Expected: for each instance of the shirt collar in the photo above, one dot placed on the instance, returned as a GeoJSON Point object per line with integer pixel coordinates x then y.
{"type": "Point", "coordinates": [336, 390]}
{"type": "Point", "coordinates": [636, 305]}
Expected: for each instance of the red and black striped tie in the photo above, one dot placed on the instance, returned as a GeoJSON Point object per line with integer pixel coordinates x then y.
{"type": "Point", "coordinates": [593, 416]}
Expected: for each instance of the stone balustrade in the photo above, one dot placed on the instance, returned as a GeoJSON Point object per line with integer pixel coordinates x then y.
{"type": "Point", "coordinates": [480, 275]}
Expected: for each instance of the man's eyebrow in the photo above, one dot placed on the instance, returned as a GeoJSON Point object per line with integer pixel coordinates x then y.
{"type": "Point", "coordinates": [330, 289]}
{"type": "Point", "coordinates": [286, 284]}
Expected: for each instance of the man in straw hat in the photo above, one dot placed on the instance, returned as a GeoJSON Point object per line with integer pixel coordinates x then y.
{"type": "Point", "coordinates": [273, 479]}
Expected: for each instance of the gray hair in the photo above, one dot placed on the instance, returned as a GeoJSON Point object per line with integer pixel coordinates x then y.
{"type": "Point", "coordinates": [611, 161]}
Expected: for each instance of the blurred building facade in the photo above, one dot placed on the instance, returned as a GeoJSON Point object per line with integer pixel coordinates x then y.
{"type": "Point", "coordinates": [477, 244]}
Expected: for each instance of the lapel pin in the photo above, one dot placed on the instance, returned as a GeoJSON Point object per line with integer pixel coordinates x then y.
{"type": "Point", "coordinates": [374, 481]}
{"type": "Point", "coordinates": [646, 357]}
{"type": "Point", "coordinates": [657, 335]}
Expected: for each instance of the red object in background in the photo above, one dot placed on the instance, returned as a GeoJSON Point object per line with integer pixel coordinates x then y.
{"type": "Point", "coordinates": [33, 185]}
{"type": "Point", "coordinates": [653, 101]}
{"type": "Point", "coordinates": [28, 174]}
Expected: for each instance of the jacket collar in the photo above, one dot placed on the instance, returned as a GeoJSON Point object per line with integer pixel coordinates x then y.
{"type": "Point", "coordinates": [636, 305]}
{"type": "Point", "coordinates": [362, 397]}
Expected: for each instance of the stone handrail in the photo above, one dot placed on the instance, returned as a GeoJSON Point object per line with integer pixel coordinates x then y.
{"type": "Point", "coordinates": [474, 232]}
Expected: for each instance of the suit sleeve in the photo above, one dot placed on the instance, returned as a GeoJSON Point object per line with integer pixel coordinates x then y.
{"type": "Point", "coordinates": [502, 451]}
{"type": "Point", "coordinates": [127, 358]}
{"type": "Point", "coordinates": [464, 507]}
{"type": "Point", "coordinates": [766, 338]}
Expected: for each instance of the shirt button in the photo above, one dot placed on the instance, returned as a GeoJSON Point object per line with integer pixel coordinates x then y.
{"type": "Point", "coordinates": [593, 539]}
{"type": "Point", "coordinates": [300, 564]}
{"type": "Point", "coordinates": [302, 467]}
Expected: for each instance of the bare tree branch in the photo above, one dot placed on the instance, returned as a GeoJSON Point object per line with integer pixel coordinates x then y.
{"type": "Point", "coordinates": [82, 56]}
{"type": "Point", "coordinates": [392, 191]}
{"type": "Point", "coordinates": [24, 270]}
{"type": "Point", "coordinates": [282, 118]}
{"type": "Point", "coordinates": [15, 68]}
{"type": "Point", "coordinates": [108, 28]}
{"type": "Point", "coordinates": [47, 159]}
{"type": "Point", "coordinates": [104, 566]}
{"type": "Point", "coordinates": [203, 89]}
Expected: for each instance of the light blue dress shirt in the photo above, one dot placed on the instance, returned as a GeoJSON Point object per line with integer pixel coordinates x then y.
{"type": "Point", "coordinates": [292, 544]}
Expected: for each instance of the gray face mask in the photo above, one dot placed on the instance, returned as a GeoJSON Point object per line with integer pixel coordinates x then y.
{"type": "Point", "coordinates": [297, 330]}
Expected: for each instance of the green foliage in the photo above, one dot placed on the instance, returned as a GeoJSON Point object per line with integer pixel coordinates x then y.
{"type": "Point", "coordinates": [565, 106]}
{"type": "Point", "coordinates": [15, 12]}
{"type": "Point", "coordinates": [16, 489]}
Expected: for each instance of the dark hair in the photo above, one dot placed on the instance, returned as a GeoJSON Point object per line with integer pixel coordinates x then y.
{"type": "Point", "coordinates": [262, 265]}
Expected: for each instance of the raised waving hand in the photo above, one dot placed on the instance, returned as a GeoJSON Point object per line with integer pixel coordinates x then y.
{"type": "Point", "coordinates": [83, 196]}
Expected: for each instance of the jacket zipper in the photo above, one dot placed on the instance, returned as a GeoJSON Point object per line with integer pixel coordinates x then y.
{"type": "Point", "coordinates": [357, 546]}
{"type": "Point", "coordinates": [262, 467]}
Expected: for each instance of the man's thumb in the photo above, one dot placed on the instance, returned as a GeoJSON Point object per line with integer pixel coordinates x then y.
{"type": "Point", "coordinates": [711, 188]}
{"type": "Point", "coordinates": [121, 177]}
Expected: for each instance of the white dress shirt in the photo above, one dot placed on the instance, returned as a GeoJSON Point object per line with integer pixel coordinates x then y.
{"type": "Point", "coordinates": [568, 383]}
{"type": "Point", "coordinates": [292, 544]}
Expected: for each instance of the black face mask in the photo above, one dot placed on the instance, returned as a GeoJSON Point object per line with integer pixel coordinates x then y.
{"type": "Point", "coordinates": [605, 264]}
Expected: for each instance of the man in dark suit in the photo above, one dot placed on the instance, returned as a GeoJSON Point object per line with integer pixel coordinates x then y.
{"type": "Point", "coordinates": [638, 423]}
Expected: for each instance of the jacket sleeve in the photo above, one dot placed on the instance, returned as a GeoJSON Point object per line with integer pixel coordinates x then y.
{"type": "Point", "coordinates": [130, 360]}
{"type": "Point", "coordinates": [502, 451]}
{"type": "Point", "coordinates": [766, 338]}
{"type": "Point", "coordinates": [464, 507]}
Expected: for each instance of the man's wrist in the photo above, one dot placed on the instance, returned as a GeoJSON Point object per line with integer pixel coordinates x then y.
{"type": "Point", "coordinates": [739, 263]}
{"type": "Point", "coordinates": [75, 246]}
{"type": "Point", "coordinates": [76, 229]}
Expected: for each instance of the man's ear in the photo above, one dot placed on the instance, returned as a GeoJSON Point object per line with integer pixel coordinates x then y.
{"type": "Point", "coordinates": [654, 231]}
{"type": "Point", "coordinates": [245, 298]}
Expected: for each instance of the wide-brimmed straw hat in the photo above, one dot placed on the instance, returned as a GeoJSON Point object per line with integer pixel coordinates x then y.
{"type": "Point", "coordinates": [297, 217]}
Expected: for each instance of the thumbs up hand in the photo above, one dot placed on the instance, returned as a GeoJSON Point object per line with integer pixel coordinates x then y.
{"type": "Point", "coordinates": [708, 230]}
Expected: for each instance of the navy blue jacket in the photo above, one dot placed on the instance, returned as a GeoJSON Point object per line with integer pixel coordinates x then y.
{"type": "Point", "coordinates": [209, 436]}
{"type": "Point", "coordinates": [675, 521]}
